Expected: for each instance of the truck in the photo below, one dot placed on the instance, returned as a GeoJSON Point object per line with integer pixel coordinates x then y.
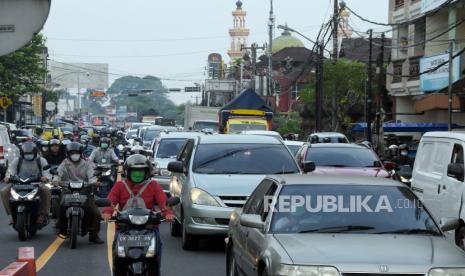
{"type": "Point", "coordinates": [248, 111]}
{"type": "Point", "coordinates": [201, 118]}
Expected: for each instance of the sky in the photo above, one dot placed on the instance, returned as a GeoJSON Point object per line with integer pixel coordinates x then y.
{"type": "Point", "coordinates": [172, 39]}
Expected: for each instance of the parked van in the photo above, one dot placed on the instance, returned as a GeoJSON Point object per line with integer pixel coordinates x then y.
{"type": "Point", "coordinates": [438, 178]}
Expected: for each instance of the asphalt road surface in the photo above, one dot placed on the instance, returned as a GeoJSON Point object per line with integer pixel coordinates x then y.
{"type": "Point", "coordinates": [53, 256]}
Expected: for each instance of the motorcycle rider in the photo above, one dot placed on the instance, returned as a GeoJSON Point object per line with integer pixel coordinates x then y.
{"type": "Point", "coordinates": [403, 159]}
{"type": "Point", "coordinates": [138, 169]}
{"type": "Point", "coordinates": [44, 147]}
{"type": "Point", "coordinates": [104, 154]}
{"type": "Point", "coordinates": [75, 168]}
{"type": "Point", "coordinates": [29, 165]}
{"type": "Point", "coordinates": [56, 154]}
{"type": "Point", "coordinates": [88, 149]}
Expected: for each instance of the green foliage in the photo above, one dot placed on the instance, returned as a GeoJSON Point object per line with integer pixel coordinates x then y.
{"type": "Point", "coordinates": [131, 83]}
{"type": "Point", "coordinates": [23, 72]}
{"type": "Point", "coordinates": [289, 124]}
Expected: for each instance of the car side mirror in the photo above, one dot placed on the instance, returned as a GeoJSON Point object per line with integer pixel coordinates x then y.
{"type": "Point", "coordinates": [252, 221]}
{"type": "Point", "coordinates": [176, 167]}
{"type": "Point", "coordinates": [308, 166]}
{"type": "Point", "coordinates": [149, 152]}
{"type": "Point", "coordinates": [173, 201]}
{"type": "Point", "coordinates": [389, 166]}
{"type": "Point", "coordinates": [456, 171]}
{"type": "Point", "coordinates": [449, 224]}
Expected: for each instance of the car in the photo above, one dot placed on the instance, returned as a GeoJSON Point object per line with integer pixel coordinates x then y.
{"type": "Point", "coordinates": [51, 132]}
{"type": "Point", "coordinates": [139, 125]}
{"type": "Point", "coordinates": [152, 132]}
{"type": "Point", "coordinates": [438, 177]}
{"type": "Point", "coordinates": [327, 137]}
{"type": "Point", "coordinates": [284, 230]}
{"type": "Point", "coordinates": [19, 136]}
{"type": "Point", "coordinates": [90, 131]}
{"type": "Point", "coordinates": [165, 149]}
{"type": "Point", "coordinates": [206, 125]}
{"type": "Point", "coordinates": [214, 174]}
{"type": "Point", "coordinates": [343, 159]}
{"type": "Point", "coordinates": [8, 151]}
{"type": "Point", "coordinates": [263, 133]}
{"type": "Point", "coordinates": [293, 146]}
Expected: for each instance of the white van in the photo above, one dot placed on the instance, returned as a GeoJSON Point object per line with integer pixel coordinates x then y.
{"type": "Point", "coordinates": [8, 151]}
{"type": "Point", "coordinates": [438, 178]}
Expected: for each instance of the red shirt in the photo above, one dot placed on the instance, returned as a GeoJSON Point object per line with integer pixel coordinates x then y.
{"type": "Point", "coordinates": [153, 195]}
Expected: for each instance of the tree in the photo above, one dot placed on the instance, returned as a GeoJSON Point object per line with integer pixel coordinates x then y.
{"type": "Point", "coordinates": [23, 71]}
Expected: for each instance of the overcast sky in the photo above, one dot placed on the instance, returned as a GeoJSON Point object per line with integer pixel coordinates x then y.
{"type": "Point", "coordinates": [172, 39]}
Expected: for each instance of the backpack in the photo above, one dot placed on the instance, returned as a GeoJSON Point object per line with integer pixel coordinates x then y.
{"type": "Point", "coordinates": [135, 201]}
{"type": "Point", "coordinates": [38, 161]}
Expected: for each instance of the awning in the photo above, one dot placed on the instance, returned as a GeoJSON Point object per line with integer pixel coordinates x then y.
{"type": "Point", "coordinates": [408, 127]}
{"type": "Point", "coordinates": [436, 101]}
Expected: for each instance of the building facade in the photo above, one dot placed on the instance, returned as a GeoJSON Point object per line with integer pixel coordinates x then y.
{"type": "Point", "coordinates": [239, 33]}
{"type": "Point", "coordinates": [420, 41]}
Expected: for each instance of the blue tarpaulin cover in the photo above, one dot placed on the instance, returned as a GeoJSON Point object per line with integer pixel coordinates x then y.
{"type": "Point", "coordinates": [248, 99]}
{"type": "Point", "coordinates": [407, 127]}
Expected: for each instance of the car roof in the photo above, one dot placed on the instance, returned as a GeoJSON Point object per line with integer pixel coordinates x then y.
{"type": "Point", "coordinates": [161, 128]}
{"type": "Point", "coordinates": [328, 134]}
{"type": "Point", "coordinates": [180, 134]}
{"type": "Point", "coordinates": [238, 139]}
{"type": "Point", "coordinates": [460, 135]}
{"type": "Point", "coordinates": [206, 121]}
{"type": "Point", "coordinates": [336, 145]}
{"type": "Point", "coordinates": [302, 179]}
{"type": "Point", "coordinates": [293, 143]}
{"type": "Point", "coordinates": [261, 132]}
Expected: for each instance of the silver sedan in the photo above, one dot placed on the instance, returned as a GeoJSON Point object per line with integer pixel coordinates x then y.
{"type": "Point", "coordinates": [348, 226]}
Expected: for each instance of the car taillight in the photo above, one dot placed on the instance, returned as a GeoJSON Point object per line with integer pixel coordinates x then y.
{"type": "Point", "coordinates": [2, 153]}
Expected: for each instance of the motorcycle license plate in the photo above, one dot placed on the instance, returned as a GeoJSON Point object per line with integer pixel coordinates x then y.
{"type": "Point", "coordinates": [74, 198]}
{"type": "Point", "coordinates": [135, 241]}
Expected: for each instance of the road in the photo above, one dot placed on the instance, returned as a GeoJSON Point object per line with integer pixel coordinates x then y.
{"type": "Point", "coordinates": [55, 258]}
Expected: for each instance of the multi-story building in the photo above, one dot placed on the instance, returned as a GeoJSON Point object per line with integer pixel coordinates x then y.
{"type": "Point", "coordinates": [420, 41]}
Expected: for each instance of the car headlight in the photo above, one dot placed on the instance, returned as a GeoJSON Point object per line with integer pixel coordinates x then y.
{"type": "Point", "coordinates": [14, 194]}
{"type": "Point", "coordinates": [138, 220]}
{"type": "Point", "coordinates": [447, 272]}
{"type": "Point", "coordinates": [201, 197]}
{"type": "Point", "coordinates": [293, 270]}
{"type": "Point", "coordinates": [165, 172]}
{"type": "Point", "coordinates": [32, 194]}
{"type": "Point", "coordinates": [76, 185]}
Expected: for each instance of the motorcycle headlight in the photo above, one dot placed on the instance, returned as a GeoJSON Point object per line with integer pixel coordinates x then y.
{"type": "Point", "coordinates": [165, 172]}
{"type": "Point", "coordinates": [14, 194]}
{"type": "Point", "coordinates": [107, 173]}
{"type": "Point", "coordinates": [32, 194]}
{"type": "Point", "coordinates": [446, 272]}
{"type": "Point", "coordinates": [151, 251]}
{"type": "Point", "coordinates": [294, 270]}
{"type": "Point", "coordinates": [49, 186]}
{"type": "Point", "coordinates": [76, 185]}
{"type": "Point", "coordinates": [121, 252]}
{"type": "Point", "coordinates": [201, 197]}
{"type": "Point", "coordinates": [138, 220]}
{"type": "Point", "coordinates": [404, 179]}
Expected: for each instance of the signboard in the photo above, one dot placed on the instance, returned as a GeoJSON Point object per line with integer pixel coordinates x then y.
{"type": "Point", "coordinates": [50, 106]}
{"type": "Point", "coordinates": [192, 89]}
{"type": "Point", "coordinates": [429, 5]}
{"type": "Point", "coordinates": [95, 94]}
{"type": "Point", "coordinates": [37, 105]}
{"type": "Point", "coordinates": [5, 102]}
{"type": "Point", "coordinates": [438, 79]}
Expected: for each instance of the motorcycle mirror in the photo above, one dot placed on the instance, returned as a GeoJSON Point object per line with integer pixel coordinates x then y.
{"type": "Point", "coordinates": [103, 202]}
{"type": "Point", "coordinates": [173, 201]}
{"type": "Point", "coordinates": [54, 171]}
{"type": "Point", "coordinates": [47, 167]}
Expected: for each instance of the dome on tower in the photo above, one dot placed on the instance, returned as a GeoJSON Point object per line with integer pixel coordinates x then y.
{"type": "Point", "coordinates": [239, 4]}
{"type": "Point", "coordinates": [286, 40]}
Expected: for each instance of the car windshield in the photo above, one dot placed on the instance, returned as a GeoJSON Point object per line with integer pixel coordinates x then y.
{"type": "Point", "coordinates": [130, 133]}
{"type": "Point", "coordinates": [341, 157]}
{"type": "Point", "coordinates": [169, 148]}
{"type": "Point", "coordinates": [243, 159]}
{"type": "Point", "coordinates": [350, 208]}
{"type": "Point", "coordinates": [206, 125]}
{"type": "Point", "coordinates": [238, 128]}
{"type": "Point", "coordinates": [23, 132]}
{"type": "Point", "coordinates": [294, 149]}
{"type": "Point", "coordinates": [151, 134]}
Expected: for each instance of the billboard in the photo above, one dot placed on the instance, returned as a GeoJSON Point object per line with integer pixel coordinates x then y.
{"type": "Point", "coordinates": [438, 79]}
{"type": "Point", "coordinates": [429, 5]}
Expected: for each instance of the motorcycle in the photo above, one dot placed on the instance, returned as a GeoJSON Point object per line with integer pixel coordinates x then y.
{"type": "Point", "coordinates": [74, 198]}
{"type": "Point", "coordinates": [55, 195]}
{"type": "Point", "coordinates": [403, 174]}
{"type": "Point", "coordinates": [136, 245]}
{"type": "Point", "coordinates": [106, 174]}
{"type": "Point", "coordinates": [24, 205]}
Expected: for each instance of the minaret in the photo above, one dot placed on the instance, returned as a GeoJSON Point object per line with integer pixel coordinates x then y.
{"type": "Point", "coordinates": [239, 33]}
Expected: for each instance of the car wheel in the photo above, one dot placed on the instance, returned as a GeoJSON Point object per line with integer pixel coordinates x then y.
{"type": "Point", "coordinates": [460, 237]}
{"type": "Point", "coordinates": [264, 273]}
{"type": "Point", "coordinates": [175, 228]}
{"type": "Point", "coordinates": [231, 265]}
{"type": "Point", "coordinates": [189, 242]}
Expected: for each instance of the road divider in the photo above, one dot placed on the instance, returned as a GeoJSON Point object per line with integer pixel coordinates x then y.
{"type": "Point", "coordinates": [24, 265]}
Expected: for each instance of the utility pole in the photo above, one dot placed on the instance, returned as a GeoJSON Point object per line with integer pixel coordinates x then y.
{"type": "Point", "coordinates": [319, 87]}
{"type": "Point", "coordinates": [253, 49]}
{"type": "Point", "coordinates": [381, 91]}
{"type": "Point", "coordinates": [451, 65]}
{"type": "Point", "coordinates": [334, 107]}
{"type": "Point", "coordinates": [369, 95]}
{"type": "Point", "coordinates": [270, 53]}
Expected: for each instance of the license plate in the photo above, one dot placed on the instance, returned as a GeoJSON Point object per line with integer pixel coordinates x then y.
{"type": "Point", "coordinates": [74, 198]}
{"type": "Point", "coordinates": [135, 241]}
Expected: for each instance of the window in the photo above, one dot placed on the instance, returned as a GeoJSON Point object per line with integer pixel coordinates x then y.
{"type": "Point", "coordinates": [424, 157]}
{"type": "Point", "coordinates": [186, 152]}
{"type": "Point", "coordinates": [252, 206]}
{"type": "Point", "coordinates": [440, 158]}
{"type": "Point", "coordinates": [399, 4]}
{"type": "Point", "coordinates": [169, 148]}
{"type": "Point", "coordinates": [457, 156]}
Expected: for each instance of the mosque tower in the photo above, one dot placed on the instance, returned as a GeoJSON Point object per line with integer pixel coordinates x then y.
{"type": "Point", "coordinates": [239, 33]}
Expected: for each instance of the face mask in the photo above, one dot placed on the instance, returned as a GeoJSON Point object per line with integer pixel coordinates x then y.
{"type": "Point", "coordinates": [404, 153]}
{"type": "Point", "coordinates": [29, 157]}
{"type": "Point", "coordinates": [75, 157]}
{"type": "Point", "coordinates": [44, 149]}
{"type": "Point", "coordinates": [104, 145]}
{"type": "Point", "coordinates": [137, 176]}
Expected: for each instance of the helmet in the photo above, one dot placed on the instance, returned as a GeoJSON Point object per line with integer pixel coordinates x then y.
{"type": "Point", "coordinates": [404, 147]}
{"type": "Point", "coordinates": [44, 143]}
{"type": "Point", "coordinates": [65, 142]}
{"type": "Point", "coordinates": [84, 139]}
{"type": "Point", "coordinates": [137, 161]}
{"type": "Point", "coordinates": [393, 150]}
{"type": "Point", "coordinates": [54, 142]}
{"type": "Point", "coordinates": [105, 140]}
{"type": "Point", "coordinates": [29, 148]}
{"type": "Point", "coordinates": [74, 147]}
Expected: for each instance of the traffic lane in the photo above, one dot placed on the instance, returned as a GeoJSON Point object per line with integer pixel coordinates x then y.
{"type": "Point", "coordinates": [209, 259]}
{"type": "Point", "coordinates": [9, 241]}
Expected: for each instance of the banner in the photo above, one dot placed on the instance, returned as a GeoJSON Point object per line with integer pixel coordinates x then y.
{"type": "Point", "coordinates": [438, 79]}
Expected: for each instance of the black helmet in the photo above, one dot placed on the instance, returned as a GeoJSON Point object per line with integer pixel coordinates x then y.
{"type": "Point", "coordinates": [84, 139]}
{"type": "Point", "coordinates": [54, 142]}
{"type": "Point", "coordinates": [105, 140]}
{"type": "Point", "coordinates": [29, 148]}
{"type": "Point", "coordinates": [137, 161]}
{"type": "Point", "coordinates": [74, 147]}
